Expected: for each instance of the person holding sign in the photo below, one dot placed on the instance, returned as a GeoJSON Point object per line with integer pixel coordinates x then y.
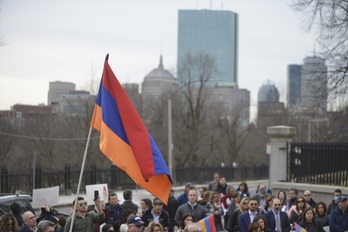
{"type": "Point", "coordinates": [83, 221]}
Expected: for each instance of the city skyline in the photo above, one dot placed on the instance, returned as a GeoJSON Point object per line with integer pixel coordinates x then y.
{"type": "Point", "coordinates": [42, 46]}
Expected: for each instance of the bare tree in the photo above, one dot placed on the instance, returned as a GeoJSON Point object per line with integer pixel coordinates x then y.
{"type": "Point", "coordinates": [330, 19]}
{"type": "Point", "coordinates": [232, 137]}
{"type": "Point", "coordinates": [191, 130]}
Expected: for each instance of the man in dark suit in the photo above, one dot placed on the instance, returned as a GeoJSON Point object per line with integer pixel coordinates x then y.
{"type": "Point", "coordinates": [273, 215]}
{"type": "Point", "coordinates": [246, 218]}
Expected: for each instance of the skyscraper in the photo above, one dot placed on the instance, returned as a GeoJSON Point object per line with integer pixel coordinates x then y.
{"type": "Point", "coordinates": [307, 85]}
{"type": "Point", "coordinates": [294, 86]}
{"type": "Point", "coordinates": [213, 32]}
{"type": "Point", "coordinates": [314, 83]}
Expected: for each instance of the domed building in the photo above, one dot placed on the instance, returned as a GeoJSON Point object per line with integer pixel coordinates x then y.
{"type": "Point", "coordinates": [269, 107]}
{"type": "Point", "coordinates": [158, 83]}
{"type": "Point", "coordinates": [268, 93]}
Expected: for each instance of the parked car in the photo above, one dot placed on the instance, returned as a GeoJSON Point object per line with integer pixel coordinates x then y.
{"type": "Point", "coordinates": [23, 200]}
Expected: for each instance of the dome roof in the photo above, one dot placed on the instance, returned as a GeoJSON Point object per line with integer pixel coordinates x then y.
{"type": "Point", "coordinates": [268, 92]}
{"type": "Point", "coordinates": [159, 72]}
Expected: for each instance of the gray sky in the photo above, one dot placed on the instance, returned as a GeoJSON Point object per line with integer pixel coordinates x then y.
{"type": "Point", "coordinates": [67, 40]}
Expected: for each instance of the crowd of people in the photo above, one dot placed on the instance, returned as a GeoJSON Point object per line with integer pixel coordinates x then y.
{"type": "Point", "coordinates": [232, 209]}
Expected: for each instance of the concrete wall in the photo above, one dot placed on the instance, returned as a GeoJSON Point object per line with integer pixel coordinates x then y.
{"type": "Point", "coordinates": [319, 192]}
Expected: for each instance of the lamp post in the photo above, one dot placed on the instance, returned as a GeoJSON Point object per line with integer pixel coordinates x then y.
{"type": "Point", "coordinates": [170, 138]}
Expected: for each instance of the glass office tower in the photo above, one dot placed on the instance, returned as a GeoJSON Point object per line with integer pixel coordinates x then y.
{"type": "Point", "coordinates": [214, 32]}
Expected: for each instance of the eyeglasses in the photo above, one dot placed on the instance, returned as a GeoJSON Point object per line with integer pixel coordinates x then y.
{"type": "Point", "coordinates": [253, 203]}
{"type": "Point", "coordinates": [245, 203]}
{"type": "Point", "coordinates": [276, 204]}
{"type": "Point", "coordinates": [300, 201]}
{"type": "Point", "coordinates": [82, 204]}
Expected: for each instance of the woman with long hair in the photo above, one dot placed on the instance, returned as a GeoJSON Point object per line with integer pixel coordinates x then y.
{"type": "Point", "coordinates": [243, 189]}
{"type": "Point", "coordinates": [295, 213]}
{"type": "Point", "coordinates": [203, 202]}
{"type": "Point", "coordinates": [268, 206]}
{"type": "Point", "coordinates": [309, 223]}
{"type": "Point", "coordinates": [8, 223]}
{"type": "Point", "coordinates": [261, 220]}
{"type": "Point", "coordinates": [321, 214]}
{"type": "Point", "coordinates": [243, 207]}
{"type": "Point", "coordinates": [185, 220]}
{"type": "Point", "coordinates": [282, 197]}
{"type": "Point", "coordinates": [214, 207]}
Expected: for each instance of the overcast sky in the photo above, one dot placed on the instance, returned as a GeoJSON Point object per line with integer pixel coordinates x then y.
{"type": "Point", "coordinates": [67, 40]}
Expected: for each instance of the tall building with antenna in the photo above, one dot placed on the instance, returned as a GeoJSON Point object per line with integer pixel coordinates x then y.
{"type": "Point", "coordinates": [213, 32]}
{"type": "Point", "coordinates": [307, 85]}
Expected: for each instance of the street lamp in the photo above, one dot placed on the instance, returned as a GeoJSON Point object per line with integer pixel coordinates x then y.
{"type": "Point", "coordinates": [170, 139]}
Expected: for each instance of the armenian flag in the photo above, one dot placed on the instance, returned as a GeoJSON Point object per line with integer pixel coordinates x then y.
{"type": "Point", "coordinates": [207, 224]}
{"type": "Point", "coordinates": [299, 228]}
{"type": "Point", "coordinates": [125, 140]}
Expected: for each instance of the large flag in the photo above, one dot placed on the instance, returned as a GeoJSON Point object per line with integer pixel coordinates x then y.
{"type": "Point", "coordinates": [125, 140]}
{"type": "Point", "coordinates": [207, 224]}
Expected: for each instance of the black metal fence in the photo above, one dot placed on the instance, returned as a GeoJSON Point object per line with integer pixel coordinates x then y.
{"type": "Point", "coordinates": [318, 163]}
{"type": "Point", "coordinates": [67, 178]}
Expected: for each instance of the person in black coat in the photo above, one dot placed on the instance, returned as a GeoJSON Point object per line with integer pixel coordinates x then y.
{"type": "Point", "coordinates": [16, 212]}
{"type": "Point", "coordinates": [113, 212]}
{"type": "Point", "coordinates": [156, 210]}
{"type": "Point", "coordinates": [309, 223]}
{"type": "Point", "coordinates": [171, 208]}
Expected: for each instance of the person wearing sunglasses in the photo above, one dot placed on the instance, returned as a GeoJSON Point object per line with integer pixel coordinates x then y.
{"type": "Point", "coordinates": [214, 207]}
{"type": "Point", "coordinates": [84, 221]}
{"type": "Point", "coordinates": [294, 214]}
{"type": "Point", "coordinates": [243, 207]}
{"type": "Point", "coordinates": [246, 218]}
{"type": "Point", "coordinates": [307, 195]}
{"type": "Point", "coordinates": [277, 220]}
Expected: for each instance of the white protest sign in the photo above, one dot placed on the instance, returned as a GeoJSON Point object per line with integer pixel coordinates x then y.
{"type": "Point", "coordinates": [45, 196]}
{"type": "Point", "coordinates": [102, 192]}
